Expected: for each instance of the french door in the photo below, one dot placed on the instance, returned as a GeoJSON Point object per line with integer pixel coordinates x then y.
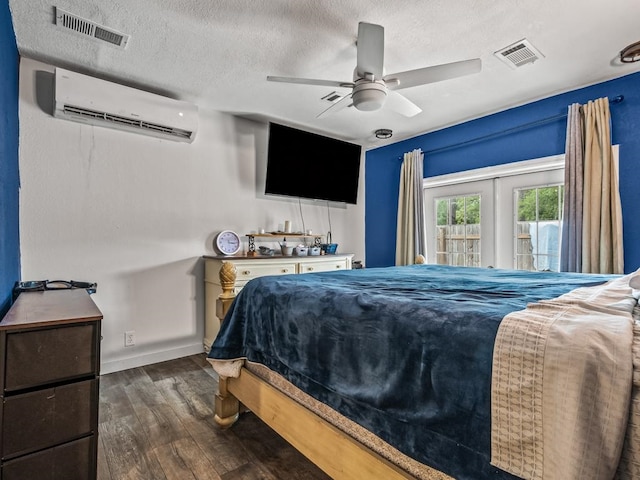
{"type": "Point", "coordinates": [505, 217]}
{"type": "Point", "coordinates": [459, 220]}
{"type": "Point", "coordinates": [528, 227]}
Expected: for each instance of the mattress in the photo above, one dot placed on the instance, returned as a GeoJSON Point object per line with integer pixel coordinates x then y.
{"type": "Point", "coordinates": [404, 352]}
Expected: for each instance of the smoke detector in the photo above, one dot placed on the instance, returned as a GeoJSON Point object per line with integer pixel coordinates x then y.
{"type": "Point", "coordinates": [90, 29]}
{"type": "Point", "coordinates": [519, 54]}
{"type": "Point", "coordinates": [383, 133]}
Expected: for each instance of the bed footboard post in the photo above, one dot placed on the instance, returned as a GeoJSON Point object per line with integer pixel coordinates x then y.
{"type": "Point", "coordinates": [227, 281]}
{"type": "Point", "coordinates": [227, 407]}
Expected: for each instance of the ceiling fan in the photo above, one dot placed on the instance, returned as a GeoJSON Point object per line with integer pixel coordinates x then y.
{"type": "Point", "coordinates": [371, 88]}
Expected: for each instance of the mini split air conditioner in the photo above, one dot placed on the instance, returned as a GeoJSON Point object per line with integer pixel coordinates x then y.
{"type": "Point", "coordinates": [85, 99]}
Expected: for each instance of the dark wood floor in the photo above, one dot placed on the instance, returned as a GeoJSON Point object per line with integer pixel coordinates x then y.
{"type": "Point", "coordinates": [156, 423]}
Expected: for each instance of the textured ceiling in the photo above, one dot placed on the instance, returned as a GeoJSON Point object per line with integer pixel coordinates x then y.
{"type": "Point", "coordinates": [217, 53]}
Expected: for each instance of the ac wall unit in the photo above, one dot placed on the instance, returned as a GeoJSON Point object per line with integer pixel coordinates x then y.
{"type": "Point", "coordinates": [85, 99]}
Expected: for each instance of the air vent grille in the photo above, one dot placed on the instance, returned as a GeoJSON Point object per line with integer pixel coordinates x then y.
{"type": "Point", "coordinates": [90, 29]}
{"type": "Point", "coordinates": [109, 36]}
{"type": "Point", "coordinates": [332, 97]}
{"type": "Point", "coordinates": [124, 121]}
{"type": "Point", "coordinates": [519, 54]}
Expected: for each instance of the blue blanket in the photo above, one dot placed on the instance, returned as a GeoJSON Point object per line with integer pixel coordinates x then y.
{"type": "Point", "coordinates": [405, 352]}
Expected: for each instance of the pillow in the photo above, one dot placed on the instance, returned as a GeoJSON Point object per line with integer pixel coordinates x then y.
{"type": "Point", "coordinates": [634, 282]}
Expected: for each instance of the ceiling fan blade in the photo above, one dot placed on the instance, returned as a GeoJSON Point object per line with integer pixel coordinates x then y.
{"type": "Point", "coordinates": [336, 106]}
{"type": "Point", "coordinates": [310, 81]}
{"type": "Point", "coordinates": [437, 73]}
{"type": "Point", "coordinates": [401, 105]}
{"type": "Point", "coordinates": [370, 50]}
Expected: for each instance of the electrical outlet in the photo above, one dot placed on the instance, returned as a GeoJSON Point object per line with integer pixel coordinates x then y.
{"type": "Point", "coordinates": [130, 338]}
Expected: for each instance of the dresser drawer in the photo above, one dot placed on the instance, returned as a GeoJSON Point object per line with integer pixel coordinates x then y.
{"type": "Point", "coordinates": [38, 357]}
{"type": "Point", "coordinates": [46, 417]}
{"type": "Point", "coordinates": [324, 266]}
{"type": "Point", "coordinates": [74, 460]}
{"type": "Point", "coordinates": [244, 273]}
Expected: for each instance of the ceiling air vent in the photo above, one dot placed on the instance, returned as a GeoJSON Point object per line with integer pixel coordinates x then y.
{"type": "Point", "coordinates": [332, 97]}
{"type": "Point", "coordinates": [91, 29]}
{"type": "Point", "coordinates": [519, 54]}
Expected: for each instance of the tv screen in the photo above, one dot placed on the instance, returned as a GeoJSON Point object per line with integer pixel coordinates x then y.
{"type": "Point", "coordinates": [308, 165]}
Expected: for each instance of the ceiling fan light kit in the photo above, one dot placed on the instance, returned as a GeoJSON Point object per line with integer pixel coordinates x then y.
{"type": "Point", "coordinates": [370, 90]}
{"type": "Point", "coordinates": [369, 96]}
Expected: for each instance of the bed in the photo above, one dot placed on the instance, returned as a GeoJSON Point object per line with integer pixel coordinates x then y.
{"type": "Point", "coordinates": [434, 372]}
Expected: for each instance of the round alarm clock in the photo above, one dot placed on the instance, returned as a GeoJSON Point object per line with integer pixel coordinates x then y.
{"type": "Point", "coordinates": [227, 242]}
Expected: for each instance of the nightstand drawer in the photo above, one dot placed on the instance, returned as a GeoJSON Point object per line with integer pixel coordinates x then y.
{"type": "Point", "coordinates": [46, 417]}
{"type": "Point", "coordinates": [74, 460]}
{"type": "Point", "coordinates": [39, 357]}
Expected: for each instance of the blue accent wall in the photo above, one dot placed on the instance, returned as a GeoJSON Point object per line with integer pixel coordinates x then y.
{"type": "Point", "coordinates": [382, 170]}
{"type": "Point", "coordinates": [9, 178]}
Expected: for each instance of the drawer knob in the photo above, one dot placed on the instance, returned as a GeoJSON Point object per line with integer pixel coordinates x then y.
{"type": "Point", "coordinates": [285, 270]}
{"type": "Point", "coordinates": [338, 267]}
{"type": "Point", "coordinates": [246, 272]}
{"type": "Point", "coordinates": [310, 269]}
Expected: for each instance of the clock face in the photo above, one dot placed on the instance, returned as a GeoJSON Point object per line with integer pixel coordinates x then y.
{"type": "Point", "coordinates": [228, 242]}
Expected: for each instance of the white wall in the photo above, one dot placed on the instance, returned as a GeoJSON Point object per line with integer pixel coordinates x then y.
{"type": "Point", "coordinates": [135, 214]}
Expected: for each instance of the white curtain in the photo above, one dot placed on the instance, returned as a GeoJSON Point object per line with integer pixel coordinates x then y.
{"type": "Point", "coordinates": [410, 236]}
{"type": "Point", "coordinates": [595, 247]}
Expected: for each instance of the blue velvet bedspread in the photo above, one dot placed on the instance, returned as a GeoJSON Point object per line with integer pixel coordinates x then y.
{"type": "Point", "coordinates": [404, 351]}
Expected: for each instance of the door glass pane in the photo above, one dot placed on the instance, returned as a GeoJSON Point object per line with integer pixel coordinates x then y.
{"type": "Point", "coordinates": [457, 211]}
{"type": "Point", "coordinates": [472, 210]}
{"type": "Point", "coordinates": [538, 228]}
{"type": "Point", "coordinates": [527, 205]}
{"type": "Point", "coordinates": [442, 212]}
{"type": "Point", "coordinates": [548, 203]}
{"type": "Point", "coordinates": [458, 231]}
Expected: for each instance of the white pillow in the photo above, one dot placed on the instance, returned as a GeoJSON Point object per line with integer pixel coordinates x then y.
{"type": "Point", "coordinates": [634, 282]}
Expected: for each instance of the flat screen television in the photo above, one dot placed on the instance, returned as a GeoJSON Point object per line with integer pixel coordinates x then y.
{"type": "Point", "coordinates": [308, 165]}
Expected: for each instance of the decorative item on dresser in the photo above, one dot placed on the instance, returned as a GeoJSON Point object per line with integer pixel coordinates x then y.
{"type": "Point", "coordinates": [227, 242]}
{"type": "Point", "coordinates": [49, 382]}
{"type": "Point", "coordinates": [248, 268]}
{"type": "Point", "coordinates": [277, 236]}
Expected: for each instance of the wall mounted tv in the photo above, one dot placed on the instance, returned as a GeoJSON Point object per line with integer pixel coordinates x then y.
{"type": "Point", "coordinates": [308, 165]}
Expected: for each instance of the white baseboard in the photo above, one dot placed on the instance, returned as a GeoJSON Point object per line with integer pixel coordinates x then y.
{"type": "Point", "coordinates": [148, 359]}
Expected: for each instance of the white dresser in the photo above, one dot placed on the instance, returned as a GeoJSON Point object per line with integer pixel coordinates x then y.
{"type": "Point", "coordinates": [248, 268]}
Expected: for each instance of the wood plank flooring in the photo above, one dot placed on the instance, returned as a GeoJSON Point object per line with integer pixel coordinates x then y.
{"type": "Point", "coordinates": [156, 423]}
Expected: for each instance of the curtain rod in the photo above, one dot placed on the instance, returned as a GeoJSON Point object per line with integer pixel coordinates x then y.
{"type": "Point", "coordinates": [617, 99]}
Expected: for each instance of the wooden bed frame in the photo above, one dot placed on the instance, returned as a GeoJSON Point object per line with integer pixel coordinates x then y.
{"type": "Point", "coordinates": [333, 451]}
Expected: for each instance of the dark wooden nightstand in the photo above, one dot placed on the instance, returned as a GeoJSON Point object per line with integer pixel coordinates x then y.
{"type": "Point", "coordinates": [49, 386]}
